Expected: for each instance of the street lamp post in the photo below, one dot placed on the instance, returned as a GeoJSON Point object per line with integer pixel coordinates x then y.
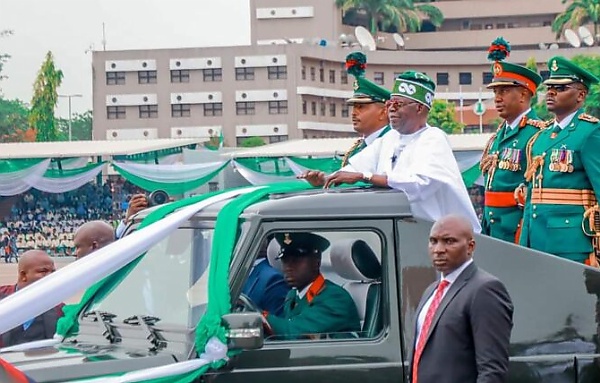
{"type": "Point", "coordinates": [70, 96]}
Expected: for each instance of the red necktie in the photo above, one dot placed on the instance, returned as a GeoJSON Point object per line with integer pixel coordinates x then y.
{"type": "Point", "coordinates": [435, 303]}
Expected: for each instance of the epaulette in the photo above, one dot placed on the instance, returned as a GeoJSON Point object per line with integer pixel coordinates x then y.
{"type": "Point", "coordinates": [537, 123]}
{"type": "Point", "coordinates": [588, 118]}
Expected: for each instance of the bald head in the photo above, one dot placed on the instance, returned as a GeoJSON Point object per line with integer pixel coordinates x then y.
{"type": "Point", "coordinates": [451, 243]}
{"type": "Point", "coordinates": [92, 236]}
{"type": "Point", "coordinates": [33, 266]}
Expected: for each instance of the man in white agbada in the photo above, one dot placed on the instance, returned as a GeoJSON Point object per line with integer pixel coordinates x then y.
{"type": "Point", "coordinates": [415, 158]}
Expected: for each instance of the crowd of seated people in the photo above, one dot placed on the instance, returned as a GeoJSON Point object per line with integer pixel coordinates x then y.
{"type": "Point", "coordinates": [41, 220]}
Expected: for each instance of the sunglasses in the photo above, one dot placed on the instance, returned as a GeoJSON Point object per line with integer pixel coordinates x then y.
{"type": "Point", "coordinates": [398, 104]}
{"type": "Point", "coordinates": [560, 88]}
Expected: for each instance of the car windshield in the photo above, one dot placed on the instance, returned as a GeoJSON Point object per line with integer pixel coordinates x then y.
{"type": "Point", "coordinates": [169, 283]}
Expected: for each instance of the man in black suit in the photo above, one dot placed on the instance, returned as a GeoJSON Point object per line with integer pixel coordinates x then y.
{"type": "Point", "coordinates": [464, 320]}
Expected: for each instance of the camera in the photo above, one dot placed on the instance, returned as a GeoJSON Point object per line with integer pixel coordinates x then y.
{"type": "Point", "coordinates": [158, 197]}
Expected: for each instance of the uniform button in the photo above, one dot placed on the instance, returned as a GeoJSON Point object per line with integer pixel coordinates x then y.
{"type": "Point", "coordinates": [566, 221]}
{"type": "Point", "coordinates": [492, 220]}
{"type": "Point", "coordinates": [534, 207]}
{"type": "Point", "coordinates": [534, 215]}
{"type": "Point", "coordinates": [491, 213]}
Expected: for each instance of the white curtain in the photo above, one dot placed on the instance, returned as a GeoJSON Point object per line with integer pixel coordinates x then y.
{"type": "Point", "coordinates": [65, 184]}
{"type": "Point", "coordinates": [20, 181]}
{"type": "Point", "coordinates": [258, 178]}
{"type": "Point", "coordinates": [170, 173]}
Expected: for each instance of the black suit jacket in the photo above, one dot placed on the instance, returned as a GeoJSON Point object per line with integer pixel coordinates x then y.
{"type": "Point", "coordinates": [470, 334]}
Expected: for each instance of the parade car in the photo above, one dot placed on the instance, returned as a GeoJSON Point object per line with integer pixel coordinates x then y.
{"type": "Point", "coordinates": [378, 253]}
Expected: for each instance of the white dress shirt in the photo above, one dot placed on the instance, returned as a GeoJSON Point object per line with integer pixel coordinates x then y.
{"type": "Point", "coordinates": [373, 136]}
{"type": "Point", "coordinates": [566, 121]}
{"type": "Point", "coordinates": [451, 278]}
{"type": "Point", "coordinates": [423, 166]}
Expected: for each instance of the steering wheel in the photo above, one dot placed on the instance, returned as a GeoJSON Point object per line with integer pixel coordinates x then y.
{"type": "Point", "coordinates": [245, 304]}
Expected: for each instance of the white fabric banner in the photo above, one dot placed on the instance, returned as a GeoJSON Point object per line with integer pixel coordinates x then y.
{"type": "Point", "coordinates": [170, 173]}
{"type": "Point", "coordinates": [296, 168]}
{"type": "Point", "coordinates": [258, 178]}
{"type": "Point", "coordinates": [21, 181]}
{"type": "Point", "coordinates": [466, 160]}
{"type": "Point", "coordinates": [65, 184]}
{"type": "Point", "coordinates": [48, 292]}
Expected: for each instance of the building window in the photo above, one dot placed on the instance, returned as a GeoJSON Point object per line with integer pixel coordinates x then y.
{"type": "Point", "coordinates": [345, 110]}
{"type": "Point", "coordinates": [323, 108]}
{"type": "Point", "coordinates": [115, 112]}
{"type": "Point", "coordinates": [181, 110]}
{"type": "Point", "coordinates": [244, 74]}
{"type": "Point", "coordinates": [442, 78]}
{"type": "Point", "coordinates": [378, 78]}
{"type": "Point", "coordinates": [304, 107]}
{"type": "Point", "coordinates": [313, 108]}
{"type": "Point", "coordinates": [344, 77]}
{"type": "Point", "coordinates": [147, 77]}
{"type": "Point", "coordinates": [180, 75]}
{"type": "Point", "coordinates": [278, 107]}
{"type": "Point", "coordinates": [545, 74]}
{"type": "Point", "coordinates": [332, 76]}
{"type": "Point", "coordinates": [214, 109]}
{"type": "Point", "coordinates": [313, 73]}
{"type": "Point", "coordinates": [148, 111]}
{"type": "Point", "coordinates": [321, 74]}
{"type": "Point", "coordinates": [487, 77]}
{"type": "Point", "coordinates": [277, 72]}
{"type": "Point", "coordinates": [303, 72]}
{"type": "Point", "coordinates": [212, 74]}
{"type": "Point", "coordinates": [274, 139]}
{"type": "Point", "coordinates": [245, 108]}
{"type": "Point", "coordinates": [115, 78]}
{"type": "Point", "coordinates": [464, 78]}
{"type": "Point", "coordinates": [332, 110]}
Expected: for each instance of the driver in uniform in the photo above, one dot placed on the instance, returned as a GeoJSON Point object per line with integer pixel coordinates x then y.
{"type": "Point", "coordinates": [315, 305]}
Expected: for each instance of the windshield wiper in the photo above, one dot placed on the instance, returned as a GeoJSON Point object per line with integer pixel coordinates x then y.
{"type": "Point", "coordinates": [148, 322]}
{"type": "Point", "coordinates": [106, 319]}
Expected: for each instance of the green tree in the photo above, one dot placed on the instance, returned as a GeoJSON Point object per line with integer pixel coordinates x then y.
{"type": "Point", "coordinates": [13, 120]}
{"type": "Point", "coordinates": [3, 56]}
{"type": "Point", "coordinates": [81, 127]}
{"type": "Point", "coordinates": [45, 97]}
{"type": "Point", "coordinates": [532, 65]}
{"type": "Point", "coordinates": [443, 115]}
{"type": "Point", "coordinates": [252, 142]}
{"type": "Point", "coordinates": [577, 13]}
{"type": "Point", "coordinates": [591, 63]}
{"type": "Point", "coordinates": [405, 15]}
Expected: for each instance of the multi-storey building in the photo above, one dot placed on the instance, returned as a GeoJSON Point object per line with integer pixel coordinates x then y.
{"type": "Point", "coordinates": [290, 82]}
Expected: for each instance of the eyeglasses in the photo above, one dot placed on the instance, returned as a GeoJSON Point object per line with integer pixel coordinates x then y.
{"type": "Point", "coordinates": [398, 104]}
{"type": "Point", "coordinates": [560, 88]}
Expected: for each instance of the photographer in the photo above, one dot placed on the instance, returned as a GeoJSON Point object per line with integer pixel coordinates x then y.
{"type": "Point", "coordinates": [138, 203]}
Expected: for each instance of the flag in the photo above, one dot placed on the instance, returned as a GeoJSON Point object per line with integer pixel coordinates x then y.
{"type": "Point", "coordinates": [10, 374]}
{"type": "Point", "coordinates": [221, 138]}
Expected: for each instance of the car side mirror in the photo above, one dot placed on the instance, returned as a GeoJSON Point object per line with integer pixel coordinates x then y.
{"type": "Point", "coordinates": [245, 331]}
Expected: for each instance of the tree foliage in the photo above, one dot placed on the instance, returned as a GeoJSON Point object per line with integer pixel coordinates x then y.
{"type": "Point", "coordinates": [252, 142]}
{"type": "Point", "coordinates": [405, 15]}
{"type": "Point", "coordinates": [577, 13]}
{"type": "Point", "coordinates": [591, 63]}
{"type": "Point", "coordinates": [443, 115]}
{"type": "Point", "coordinates": [81, 127]}
{"type": "Point", "coordinates": [14, 125]}
{"type": "Point", "coordinates": [45, 98]}
{"type": "Point", "coordinates": [3, 56]}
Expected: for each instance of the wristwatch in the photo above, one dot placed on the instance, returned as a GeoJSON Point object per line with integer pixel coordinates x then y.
{"type": "Point", "coordinates": [367, 176]}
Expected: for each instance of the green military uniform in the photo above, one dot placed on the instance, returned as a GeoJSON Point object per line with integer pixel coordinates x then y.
{"type": "Point", "coordinates": [325, 308]}
{"type": "Point", "coordinates": [564, 178]}
{"type": "Point", "coordinates": [503, 163]}
{"type": "Point", "coordinates": [365, 92]}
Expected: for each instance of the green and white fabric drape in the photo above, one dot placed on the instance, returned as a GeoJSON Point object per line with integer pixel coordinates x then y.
{"type": "Point", "coordinates": [18, 176]}
{"type": "Point", "coordinates": [69, 163]}
{"type": "Point", "coordinates": [173, 179]}
{"type": "Point", "coordinates": [60, 181]}
{"type": "Point", "coordinates": [468, 163]}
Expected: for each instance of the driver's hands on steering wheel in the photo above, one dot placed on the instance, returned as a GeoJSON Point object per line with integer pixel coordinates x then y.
{"type": "Point", "coordinates": [245, 303]}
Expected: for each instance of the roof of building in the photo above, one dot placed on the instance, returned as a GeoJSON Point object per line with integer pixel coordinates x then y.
{"type": "Point", "coordinates": [68, 149]}
{"type": "Point", "coordinates": [332, 146]}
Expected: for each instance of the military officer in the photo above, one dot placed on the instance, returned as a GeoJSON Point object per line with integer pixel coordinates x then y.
{"type": "Point", "coordinates": [369, 113]}
{"type": "Point", "coordinates": [563, 171]}
{"type": "Point", "coordinates": [503, 163]}
{"type": "Point", "coordinates": [314, 305]}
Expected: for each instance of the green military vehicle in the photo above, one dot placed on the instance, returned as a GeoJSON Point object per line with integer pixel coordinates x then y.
{"type": "Point", "coordinates": [148, 320]}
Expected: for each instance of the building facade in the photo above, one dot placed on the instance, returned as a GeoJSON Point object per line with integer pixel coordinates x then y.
{"type": "Point", "coordinates": [291, 83]}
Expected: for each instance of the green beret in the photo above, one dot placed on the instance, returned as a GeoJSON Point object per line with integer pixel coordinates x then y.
{"type": "Point", "coordinates": [415, 85]}
{"type": "Point", "coordinates": [512, 74]}
{"type": "Point", "coordinates": [563, 71]}
{"type": "Point", "coordinates": [365, 91]}
{"type": "Point", "coordinates": [300, 244]}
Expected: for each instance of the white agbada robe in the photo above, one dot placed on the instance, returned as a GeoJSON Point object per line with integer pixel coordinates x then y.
{"type": "Point", "coordinates": [422, 166]}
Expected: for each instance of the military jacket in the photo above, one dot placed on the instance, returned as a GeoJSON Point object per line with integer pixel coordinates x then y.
{"type": "Point", "coordinates": [503, 165]}
{"type": "Point", "coordinates": [331, 311]}
{"type": "Point", "coordinates": [567, 160]}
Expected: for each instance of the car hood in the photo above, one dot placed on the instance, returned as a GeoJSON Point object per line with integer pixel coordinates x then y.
{"type": "Point", "coordinates": [65, 362]}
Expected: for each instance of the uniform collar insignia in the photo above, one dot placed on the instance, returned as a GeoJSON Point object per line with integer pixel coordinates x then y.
{"type": "Point", "coordinates": [287, 240]}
